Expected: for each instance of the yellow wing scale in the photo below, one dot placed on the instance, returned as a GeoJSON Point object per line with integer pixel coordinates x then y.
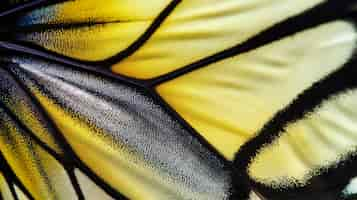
{"type": "Point", "coordinates": [35, 168]}
{"type": "Point", "coordinates": [196, 29]}
{"type": "Point", "coordinates": [229, 101]}
{"type": "Point", "coordinates": [96, 32]}
{"type": "Point", "coordinates": [323, 138]}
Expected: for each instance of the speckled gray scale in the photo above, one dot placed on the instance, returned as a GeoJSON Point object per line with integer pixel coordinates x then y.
{"type": "Point", "coordinates": [132, 122]}
{"type": "Point", "coordinates": [20, 104]}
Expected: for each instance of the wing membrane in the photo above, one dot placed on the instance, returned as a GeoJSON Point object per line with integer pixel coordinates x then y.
{"type": "Point", "coordinates": [123, 135]}
{"type": "Point", "coordinates": [229, 101]}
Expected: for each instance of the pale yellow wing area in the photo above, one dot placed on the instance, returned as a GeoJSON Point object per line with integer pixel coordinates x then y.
{"type": "Point", "coordinates": [39, 172]}
{"type": "Point", "coordinates": [228, 101]}
{"type": "Point", "coordinates": [4, 188]}
{"type": "Point", "coordinates": [88, 30]}
{"type": "Point", "coordinates": [20, 194]}
{"type": "Point", "coordinates": [90, 190]}
{"type": "Point", "coordinates": [253, 196]}
{"type": "Point", "coordinates": [320, 140]}
{"type": "Point", "coordinates": [197, 29]}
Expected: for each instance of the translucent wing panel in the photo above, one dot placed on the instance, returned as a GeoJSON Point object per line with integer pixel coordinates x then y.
{"type": "Point", "coordinates": [197, 29]}
{"type": "Point", "coordinates": [229, 101]}
{"type": "Point", "coordinates": [321, 139]}
{"type": "Point", "coordinates": [90, 190]}
{"type": "Point", "coordinates": [315, 157]}
{"type": "Point", "coordinates": [21, 195]}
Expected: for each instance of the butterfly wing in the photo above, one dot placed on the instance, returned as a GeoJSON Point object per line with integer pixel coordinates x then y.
{"type": "Point", "coordinates": [85, 30]}
{"type": "Point", "coordinates": [230, 100]}
{"type": "Point", "coordinates": [120, 134]}
{"type": "Point", "coordinates": [215, 70]}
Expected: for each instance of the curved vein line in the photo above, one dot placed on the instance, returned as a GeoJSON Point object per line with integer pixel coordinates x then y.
{"type": "Point", "coordinates": [65, 162]}
{"type": "Point", "coordinates": [67, 148]}
{"type": "Point", "coordinates": [11, 176]}
{"type": "Point", "coordinates": [12, 190]}
{"type": "Point", "coordinates": [143, 38]}
{"type": "Point", "coordinates": [75, 64]}
{"type": "Point", "coordinates": [308, 101]}
{"type": "Point", "coordinates": [172, 113]}
{"type": "Point", "coordinates": [75, 184]}
{"type": "Point", "coordinates": [322, 13]}
{"type": "Point", "coordinates": [131, 49]}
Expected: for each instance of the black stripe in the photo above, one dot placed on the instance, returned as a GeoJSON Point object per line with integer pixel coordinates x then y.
{"type": "Point", "coordinates": [63, 160]}
{"type": "Point", "coordinates": [13, 191]}
{"type": "Point", "coordinates": [68, 151]}
{"type": "Point", "coordinates": [328, 184]}
{"type": "Point", "coordinates": [75, 184]}
{"type": "Point", "coordinates": [11, 177]}
{"type": "Point", "coordinates": [40, 52]}
{"type": "Point", "coordinates": [171, 112]}
{"type": "Point", "coordinates": [338, 82]}
{"type": "Point", "coordinates": [143, 38]}
{"type": "Point", "coordinates": [38, 141]}
{"type": "Point", "coordinates": [2, 195]}
{"type": "Point", "coordinates": [322, 13]}
{"type": "Point", "coordinates": [6, 33]}
{"type": "Point", "coordinates": [310, 20]}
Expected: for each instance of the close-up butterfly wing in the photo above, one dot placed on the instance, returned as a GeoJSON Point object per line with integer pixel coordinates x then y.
{"type": "Point", "coordinates": [235, 99]}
